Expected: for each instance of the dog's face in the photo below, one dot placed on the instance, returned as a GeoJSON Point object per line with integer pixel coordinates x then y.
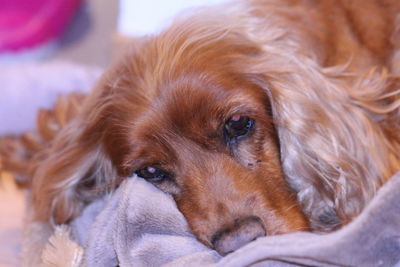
{"type": "Point", "coordinates": [205, 136]}
{"type": "Point", "coordinates": [212, 145]}
{"type": "Point", "coordinates": [183, 115]}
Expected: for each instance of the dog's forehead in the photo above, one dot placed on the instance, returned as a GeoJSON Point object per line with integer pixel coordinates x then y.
{"type": "Point", "coordinates": [201, 108]}
{"type": "Point", "coordinates": [193, 111]}
{"type": "Point", "coordinates": [186, 119]}
{"type": "Point", "coordinates": [184, 110]}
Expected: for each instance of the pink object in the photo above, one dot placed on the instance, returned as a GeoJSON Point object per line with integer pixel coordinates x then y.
{"type": "Point", "coordinates": [27, 23]}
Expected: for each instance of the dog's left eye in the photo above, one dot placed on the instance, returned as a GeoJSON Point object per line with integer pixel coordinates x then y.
{"type": "Point", "coordinates": [152, 174]}
{"type": "Point", "coordinates": [238, 126]}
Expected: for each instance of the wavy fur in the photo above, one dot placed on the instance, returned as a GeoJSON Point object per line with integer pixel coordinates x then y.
{"type": "Point", "coordinates": [329, 73]}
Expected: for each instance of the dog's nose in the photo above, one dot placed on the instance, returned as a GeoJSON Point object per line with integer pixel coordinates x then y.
{"type": "Point", "coordinates": [241, 232]}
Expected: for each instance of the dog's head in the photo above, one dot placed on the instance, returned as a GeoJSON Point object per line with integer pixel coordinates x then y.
{"type": "Point", "coordinates": [182, 112]}
{"type": "Point", "coordinates": [209, 140]}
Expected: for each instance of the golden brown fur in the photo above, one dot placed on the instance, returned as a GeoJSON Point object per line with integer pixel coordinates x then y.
{"type": "Point", "coordinates": [20, 155]}
{"type": "Point", "coordinates": [320, 79]}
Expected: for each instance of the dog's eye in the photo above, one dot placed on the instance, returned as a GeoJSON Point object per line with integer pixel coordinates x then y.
{"type": "Point", "coordinates": [153, 174]}
{"type": "Point", "coordinates": [238, 126]}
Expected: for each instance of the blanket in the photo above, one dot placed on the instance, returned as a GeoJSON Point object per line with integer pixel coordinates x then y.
{"type": "Point", "coordinates": [138, 225]}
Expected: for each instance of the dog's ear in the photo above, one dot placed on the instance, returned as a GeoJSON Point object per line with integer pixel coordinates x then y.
{"type": "Point", "coordinates": [306, 135]}
{"type": "Point", "coordinates": [76, 168]}
{"type": "Point", "coordinates": [333, 153]}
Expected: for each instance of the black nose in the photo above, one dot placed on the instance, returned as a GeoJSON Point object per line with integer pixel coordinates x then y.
{"type": "Point", "coordinates": [241, 232]}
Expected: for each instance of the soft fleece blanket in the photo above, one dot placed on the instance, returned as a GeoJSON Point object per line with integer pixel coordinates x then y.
{"type": "Point", "coordinates": [138, 225]}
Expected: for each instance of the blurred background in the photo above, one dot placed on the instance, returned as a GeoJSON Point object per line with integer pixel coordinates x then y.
{"type": "Point", "coordinates": [50, 48]}
{"type": "Point", "coordinates": [47, 47]}
{"type": "Point", "coordinates": [68, 30]}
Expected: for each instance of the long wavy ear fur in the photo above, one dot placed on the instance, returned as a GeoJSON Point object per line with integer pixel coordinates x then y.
{"type": "Point", "coordinates": [69, 175]}
{"type": "Point", "coordinates": [336, 146]}
{"type": "Point", "coordinates": [75, 169]}
{"type": "Point", "coordinates": [19, 154]}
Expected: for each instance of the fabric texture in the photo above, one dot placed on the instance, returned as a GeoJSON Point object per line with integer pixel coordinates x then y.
{"type": "Point", "coordinates": [138, 225]}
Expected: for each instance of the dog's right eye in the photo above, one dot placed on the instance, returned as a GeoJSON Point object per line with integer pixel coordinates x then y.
{"type": "Point", "coordinates": [238, 126]}
{"type": "Point", "coordinates": [152, 174]}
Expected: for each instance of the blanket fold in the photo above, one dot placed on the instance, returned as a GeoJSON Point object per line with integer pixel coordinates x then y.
{"type": "Point", "coordinates": [372, 239]}
{"type": "Point", "coordinates": [138, 225]}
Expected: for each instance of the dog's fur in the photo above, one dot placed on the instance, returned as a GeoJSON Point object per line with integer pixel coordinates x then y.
{"type": "Point", "coordinates": [318, 77]}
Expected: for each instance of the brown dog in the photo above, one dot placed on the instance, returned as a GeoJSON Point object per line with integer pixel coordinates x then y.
{"type": "Point", "coordinates": [229, 106]}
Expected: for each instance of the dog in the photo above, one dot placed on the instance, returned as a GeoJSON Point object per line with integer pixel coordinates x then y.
{"type": "Point", "coordinates": [258, 117]}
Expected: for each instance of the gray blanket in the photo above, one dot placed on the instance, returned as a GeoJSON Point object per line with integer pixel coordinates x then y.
{"type": "Point", "coordinates": [140, 226]}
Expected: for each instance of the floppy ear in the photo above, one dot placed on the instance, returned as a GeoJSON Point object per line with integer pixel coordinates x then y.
{"type": "Point", "coordinates": [87, 156]}
{"type": "Point", "coordinates": [333, 153]}
{"type": "Point", "coordinates": [76, 167]}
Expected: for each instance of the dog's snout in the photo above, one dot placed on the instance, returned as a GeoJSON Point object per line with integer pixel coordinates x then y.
{"type": "Point", "coordinates": [241, 232]}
